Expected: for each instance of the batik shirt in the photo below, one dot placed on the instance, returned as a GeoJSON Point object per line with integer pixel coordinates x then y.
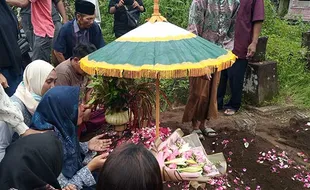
{"type": "Point", "coordinates": [214, 20]}
{"type": "Point", "coordinates": [83, 178]}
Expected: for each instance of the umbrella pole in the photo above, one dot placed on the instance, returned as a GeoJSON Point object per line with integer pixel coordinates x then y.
{"type": "Point", "coordinates": [157, 107]}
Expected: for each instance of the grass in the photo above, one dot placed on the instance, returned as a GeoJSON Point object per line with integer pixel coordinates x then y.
{"type": "Point", "coordinates": [284, 46]}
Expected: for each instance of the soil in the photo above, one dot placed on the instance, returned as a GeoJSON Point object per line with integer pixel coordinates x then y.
{"type": "Point", "coordinates": [271, 133]}
{"type": "Point", "coordinates": [267, 133]}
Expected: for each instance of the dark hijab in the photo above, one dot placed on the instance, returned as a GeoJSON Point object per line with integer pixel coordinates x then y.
{"type": "Point", "coordinates": [32, 162]}
{"type": "Point", "coordinates": [58, 111]}
{"type": "Point", "coordinates": [9, 50]}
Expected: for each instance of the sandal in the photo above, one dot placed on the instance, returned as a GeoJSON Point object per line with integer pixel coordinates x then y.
{"type": "Point", "coordinates": [209, 132]}
{"type": "Point", "coordinates": [230, 112]}
{"type": "Point", "coordinates": [199, 133]}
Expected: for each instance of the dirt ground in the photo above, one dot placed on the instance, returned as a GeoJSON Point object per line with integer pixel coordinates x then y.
{"type": "Point", "coordinates": [262, 164]}
{"type": "Point", "coordinates": [263, 151]}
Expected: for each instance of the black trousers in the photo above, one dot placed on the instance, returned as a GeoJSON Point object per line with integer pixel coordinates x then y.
{"type": "Point", "coordinates": [235, 76]}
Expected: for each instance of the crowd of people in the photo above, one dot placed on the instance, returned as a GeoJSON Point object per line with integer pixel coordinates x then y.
{"type": "Point", "coordinates": [43, 109]}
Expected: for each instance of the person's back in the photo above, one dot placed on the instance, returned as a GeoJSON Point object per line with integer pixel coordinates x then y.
{"type": "Point", "coordinates": [130, 167]}
{"type": "Point", "coordinates": [25, 13]}
{"type": "Point", "coordinates": [41, 18]}
{"type": "Point", "coordinates": [43, 29]}
{"type": "Point", "coordinates": [66, 75]}
{"type": "Point", "coordinates": [32, 162]}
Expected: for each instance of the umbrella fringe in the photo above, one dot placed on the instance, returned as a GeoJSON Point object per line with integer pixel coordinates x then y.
{"type": "Point", "coordinates": [181, 70]}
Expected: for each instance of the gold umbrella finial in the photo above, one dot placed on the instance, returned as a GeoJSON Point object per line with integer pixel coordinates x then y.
{"type": "Point", "coordinates": [156, 16]}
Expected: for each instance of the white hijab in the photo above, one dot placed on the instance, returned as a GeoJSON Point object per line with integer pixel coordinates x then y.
{"type": "Point", "coordinates": [29, 91]}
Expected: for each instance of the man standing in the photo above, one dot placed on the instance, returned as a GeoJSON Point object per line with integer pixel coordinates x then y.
{"type": "Point", "coordinates": [247, 30]}
{"type": "Point", "coordinates": [82, 29]}
{"type": "Point", "coordinates": [43, 26]}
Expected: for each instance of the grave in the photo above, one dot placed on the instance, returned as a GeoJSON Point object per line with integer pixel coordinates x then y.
{"type": "Point", "coordinates": [306, 44]}
{"type": "Point", "coordinates": [261, 79]}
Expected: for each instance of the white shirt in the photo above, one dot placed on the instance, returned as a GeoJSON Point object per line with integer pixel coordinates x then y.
{"type": "Point", "coordinates": [10, 114]}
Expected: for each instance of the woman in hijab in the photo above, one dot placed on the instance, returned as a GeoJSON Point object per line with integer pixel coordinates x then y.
{"type": "Point", "coordinates": [39, 77]}
{"type": "Point", "coordinates": [60, 111]}
{"type": "Point", "coordinates": [32, 162]}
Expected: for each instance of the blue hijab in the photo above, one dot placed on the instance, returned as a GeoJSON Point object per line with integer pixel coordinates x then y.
{"type": "Point", "coordinates": [58, 111]}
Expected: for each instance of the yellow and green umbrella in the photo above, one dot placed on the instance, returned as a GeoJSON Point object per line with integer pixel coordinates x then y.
{"type": "Point", "coordinates": [159, 50]}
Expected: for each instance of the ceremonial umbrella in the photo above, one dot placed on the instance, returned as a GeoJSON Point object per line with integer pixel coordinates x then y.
{"type": "Point", "coordinates": [159, 50]}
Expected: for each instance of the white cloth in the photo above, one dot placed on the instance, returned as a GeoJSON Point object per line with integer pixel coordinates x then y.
{"type": "Point", "coordinates": [10, 114]}
{"type": "Point", "coordinates": [6, 134]}
{"type": "Point", "coordinates": [30, 89]}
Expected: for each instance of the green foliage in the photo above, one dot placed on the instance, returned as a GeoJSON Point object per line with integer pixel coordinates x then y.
{"type": "Point", "coordinates": [176, 90]}
{"type": "Point", "coordinates": [110, 92]}
{"type": "Point", "coordinates": [176, 11]}
{"type": "Point", "coordinates": [119, 94]}
{"type": "Point", "coordinates": [284, 46]}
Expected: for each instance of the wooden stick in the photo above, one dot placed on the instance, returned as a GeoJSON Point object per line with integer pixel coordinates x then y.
{"type": "Point", "coordinates": [157, 107]}
{"type": "Point", "coordinates": [156, 8]}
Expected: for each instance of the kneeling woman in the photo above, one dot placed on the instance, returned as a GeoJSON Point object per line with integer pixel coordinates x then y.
{"type": "Point", "coordinates": [60, 111]}
{"type": "Point", "coordinates": [39, 77]}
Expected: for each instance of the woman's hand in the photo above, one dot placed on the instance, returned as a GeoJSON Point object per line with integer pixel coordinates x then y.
{"type": "Point", "coordinates": [97, 162]}
{"type": "Point", "coordinates": [70, 187]}
{"type": "Point", "coordinates": [99, 145]}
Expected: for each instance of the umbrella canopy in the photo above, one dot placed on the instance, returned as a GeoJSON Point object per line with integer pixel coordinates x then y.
{"type": "Point", "coordinates": [158, 49]}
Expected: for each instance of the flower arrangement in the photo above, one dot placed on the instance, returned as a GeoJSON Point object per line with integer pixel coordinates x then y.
{"type": "Point", "coordinates": [184, 159]}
